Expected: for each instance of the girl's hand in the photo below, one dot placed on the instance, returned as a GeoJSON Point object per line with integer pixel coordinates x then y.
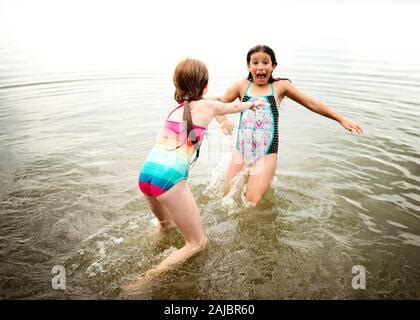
{"type": "Point", "coordinates": [351, 126]}
{"type": "Point", "coordinates": [227, 127]}
{"type": "Point", "coordinates": [258, 103]}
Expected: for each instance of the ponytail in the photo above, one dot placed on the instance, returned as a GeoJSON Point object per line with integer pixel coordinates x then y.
{"type": "Point", "coordinates": [187, 117]}
{"type": "Point", "coordinates": [190, 79]}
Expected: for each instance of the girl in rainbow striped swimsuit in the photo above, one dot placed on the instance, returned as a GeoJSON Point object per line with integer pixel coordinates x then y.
{"type": "Point", "coordinates": [163, 176]}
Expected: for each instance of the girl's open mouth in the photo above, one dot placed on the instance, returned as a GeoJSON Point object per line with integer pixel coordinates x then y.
{"type": "Point", "coordinates": [260, 76]}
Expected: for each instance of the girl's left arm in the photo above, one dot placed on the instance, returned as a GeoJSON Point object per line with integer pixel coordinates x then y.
{"type": "Point", "coordinates": [317, 106]}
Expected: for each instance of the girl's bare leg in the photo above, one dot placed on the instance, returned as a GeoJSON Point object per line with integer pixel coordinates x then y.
{"type": "Point", "coordinates": [260, 178]}
{"type": "Point", "coordinates": [235, 166]}
{"type": "Point", "coordinates": [163, 216]}
{"type": "Point", "coordinates": [185, 213]}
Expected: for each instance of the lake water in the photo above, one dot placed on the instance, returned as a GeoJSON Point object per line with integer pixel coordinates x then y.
{"type": "Point", "coordinates": [73, 136]}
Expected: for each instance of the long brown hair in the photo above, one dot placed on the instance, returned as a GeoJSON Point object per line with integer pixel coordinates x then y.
{"type": "Point", "coordinates": [270, 52]}
{"type": "Point", "coordinates": [190, 79]}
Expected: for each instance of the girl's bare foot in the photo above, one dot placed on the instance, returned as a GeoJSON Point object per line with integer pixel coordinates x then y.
{"type": "Point", "coordinates": [162, 229]}
{"type": "Point", "coordinates": [175, 258]}
{"type": "Point", "coordinates": [142, 283]}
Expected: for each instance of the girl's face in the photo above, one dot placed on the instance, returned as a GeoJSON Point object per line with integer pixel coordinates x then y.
{"type": "Point", "coordinates": [261, 67]}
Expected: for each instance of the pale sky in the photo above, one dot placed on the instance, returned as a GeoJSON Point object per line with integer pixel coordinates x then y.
{"type": "Point", "coordinates": [129, 31]}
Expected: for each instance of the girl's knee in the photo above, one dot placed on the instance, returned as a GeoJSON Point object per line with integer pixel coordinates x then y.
{"type": "Point", "coordinates": [250, 204]}
{"type": "Point", "coordinates": [252, 200]}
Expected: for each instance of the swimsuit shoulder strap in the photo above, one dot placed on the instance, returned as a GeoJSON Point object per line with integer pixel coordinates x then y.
{"type": "Point", "coordinates": [180, 106]}
{"type": "Point", "coordinates": [247, 88]}
{"type": "Point", "coordinates": [272, 89]}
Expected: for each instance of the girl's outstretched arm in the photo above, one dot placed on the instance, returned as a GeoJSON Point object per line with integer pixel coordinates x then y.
{"type": "Point", "coordinates": [230, 95]}
{"type": "Point", "coordinates": [317, 106]}
{"type": "Point", "coordinates": [225, 124]}
{"type": "Point", "coordinates": [220, 108]}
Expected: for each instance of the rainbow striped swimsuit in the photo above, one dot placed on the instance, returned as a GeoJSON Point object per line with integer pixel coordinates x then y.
{"type": "Point", "coordinates": [169, 160]}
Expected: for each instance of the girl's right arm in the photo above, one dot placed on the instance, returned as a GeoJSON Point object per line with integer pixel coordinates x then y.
{"type": "Point", "coordinates": [220, 108]}
{"type": "Point", "coordinates": [230, 95]}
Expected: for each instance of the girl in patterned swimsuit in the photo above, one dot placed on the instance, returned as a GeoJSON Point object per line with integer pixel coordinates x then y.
{"type": "Point", "coordinates": [163, 176]}
{"type": "Point", "coordinates": [257, 140]}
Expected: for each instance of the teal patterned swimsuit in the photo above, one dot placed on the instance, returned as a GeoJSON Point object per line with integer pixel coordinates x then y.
{"type": "Point", "coordinates": [258, 130]}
